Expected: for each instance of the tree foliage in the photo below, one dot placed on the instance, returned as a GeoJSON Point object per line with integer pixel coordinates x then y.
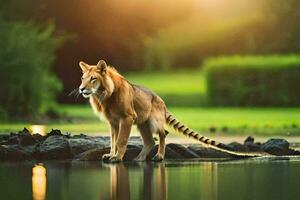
{"type": "Point", "coordinates": [28, 85]}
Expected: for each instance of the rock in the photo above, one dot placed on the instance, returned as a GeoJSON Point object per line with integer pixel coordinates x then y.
{"type": "Point", "coordinates": [3, 138]}
{"type": "Point", "coordinates": [235, 146]}
{"type": "Point", "coordinates": [293, 152]}
{"type": "Point", "coordinates": [24, 146]}
{"type": "Point", "coordinates": [93, 154]}
{"type": "Point", "coordinates": [54, 132]}
{"type": "Point", "coordinates": [82, 144]}
{"type": "Point", "coordinates": [253, 147]}
{"type": "Point", "coordinates": [25, 138]}
{"type": "Point", "coordinates": [205, 152]}
{"type": "Point", "coordinates": [38, 137]}
{"type": "Point", "coordinates": [169, 153]}
{"type": "Point", "coordinates": [183, 151]}
{"type": "Point", "coordinates": [131, 153]}
{"type": "Point", "coordinates": [55, 147]}
{"type": "Point", "coordinates": [13, 140]}
{"type": "Point", "coordinates": [136, 141]}
{"type": "Point", "coordinates": [96, 154]}
{"type": "Point", "coordinates": [10, 153]}
{"type": "Point", "coordinates": [276, 147]}
{"type": "Point", "coordinates": [249, 140]}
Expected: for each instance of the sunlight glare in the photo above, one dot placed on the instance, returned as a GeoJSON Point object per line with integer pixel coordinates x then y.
{"type": "Point", "coordinates": [39, 180]}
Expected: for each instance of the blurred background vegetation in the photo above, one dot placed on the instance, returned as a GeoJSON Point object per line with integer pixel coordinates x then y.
{"type": "Point", "coordinates": [199, 55]}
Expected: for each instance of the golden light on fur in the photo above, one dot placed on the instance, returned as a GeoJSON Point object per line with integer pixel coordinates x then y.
{"type": "Point", "coordinates": [39, 182]}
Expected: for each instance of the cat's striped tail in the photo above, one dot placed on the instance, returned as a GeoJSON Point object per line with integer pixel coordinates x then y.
{"type": "Point", "coordinates": [178, 126]}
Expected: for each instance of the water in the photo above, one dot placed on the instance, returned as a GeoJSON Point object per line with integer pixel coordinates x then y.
{"type": "Point", "coordinates": [246, 179]}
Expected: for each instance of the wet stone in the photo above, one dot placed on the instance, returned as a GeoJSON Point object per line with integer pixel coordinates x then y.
{"type": "Point", "coordinates": [23, 146]}
{"type": "Point", "coordinates": [82, 144]}
{"type": "Point", "coordinates": [25, 138]}
{"type": "Point", "coordinates": [235, 146]}
{"type": "Point", "coordinates": [93, 154]}
{"type": "Point", "coordinates": [55, 147]}
{"type": "Point", "coordinates": [11, 153]}
{"type": "Point", "coordinates": [276, 147]}
{"type": "Point", "coordinates": [204, 152]}
{"type": "Point", "coordinates": [183, 151]}
{"type": "Point", "coordinates": [249, 140]}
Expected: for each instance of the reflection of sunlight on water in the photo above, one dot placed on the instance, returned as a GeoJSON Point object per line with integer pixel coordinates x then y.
{"type": "Point", "coordinates": [39, 182]}
{"type": "Point", "coordinates": [40, 129]}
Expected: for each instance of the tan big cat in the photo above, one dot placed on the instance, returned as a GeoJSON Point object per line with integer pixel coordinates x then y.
{"type": "Point", "coordinates": [123, 104]}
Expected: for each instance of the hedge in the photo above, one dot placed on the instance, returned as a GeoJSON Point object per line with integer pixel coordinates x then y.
{"type": "Point", "coordinates": [253, 80]}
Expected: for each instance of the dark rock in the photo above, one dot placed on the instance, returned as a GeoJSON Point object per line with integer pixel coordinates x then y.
{"type": "Point", "coordinates": [235, 146]}
{"type": "Point", "coordinates": [25, 130]}
{"type": "Point", "coordinates": [10, 153]}
{"type": "Point", "coordinates": [93, 154]}
{"type": "Point", "coordinates": [82, 144]}
{"type": "Point", "coordinates": [183, 151]}
{"type": "Point", "coordinates": [169, 153]}
{"type": "Point", "coordinates": [38, 137]}
{"type": "Point", "coordinates": [135, 141]}
{"type": "Point", "coordinates": [4, 138]}
{"type": "Point", "coordinates": [293, 152]}
{"type": "Point", "coordinates": [249, 140]}
{"type": "Point", "coordinates": [54, 132]}
{"type": "Point", "coordinates": [276, 147]}
{"type": "Point", "coordinates": [25, 138]}
{"type": "Point", "coordinates": [205, 152]}
{"type": "Point", "coordinates": [55, 147]}
{"type": "Point", "coordinates": [13, 140]}
{"type": "Point", "coordinates": [96, 154]}
{"type": "Point", "coordinates": [32, 150]}
{"type": "Point", "coordinates": [131, 153]}
{"type": "Point", "coordinates": [253, 147]}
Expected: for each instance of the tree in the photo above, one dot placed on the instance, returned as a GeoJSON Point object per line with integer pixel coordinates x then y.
{"type": "Point", "coordinates": [28, 86]}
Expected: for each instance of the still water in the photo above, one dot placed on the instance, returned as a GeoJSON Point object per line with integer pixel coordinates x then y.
{"type": "Point", "coordinates": [245, 179]}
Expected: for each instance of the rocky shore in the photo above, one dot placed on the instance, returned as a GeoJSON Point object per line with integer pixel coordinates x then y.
{"type": "Point", "coordinates": [57, 146]}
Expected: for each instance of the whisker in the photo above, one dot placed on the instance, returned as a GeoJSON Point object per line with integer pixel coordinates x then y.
{"type": "Point", "coordinates": [73, 92]}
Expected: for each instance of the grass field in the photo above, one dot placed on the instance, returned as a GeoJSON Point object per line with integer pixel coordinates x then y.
{"type": "Point", "coordinates": [177, 88]}
{"type": "Point", "coordinates": [178, 82]}
{"type": "Point", "coordinates": [181, 88]}
{"type": "Point", "coordinates": [232, 121]}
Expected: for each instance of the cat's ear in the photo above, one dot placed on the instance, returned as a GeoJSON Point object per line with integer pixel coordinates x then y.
{"type": "Point", "coordinates": [102, 66]}
{"type": "Point", "coordinates": [84, 66]}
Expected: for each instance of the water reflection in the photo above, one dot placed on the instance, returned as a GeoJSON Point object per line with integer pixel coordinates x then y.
{"type": "Point", "coordinates": [154, 182]}
{"type": "Point", "coordinates": [152, 186]}
{"type": "Point", "coordinates": [39, 182]}
{"type": "Point", "coordinates": [168, 180]}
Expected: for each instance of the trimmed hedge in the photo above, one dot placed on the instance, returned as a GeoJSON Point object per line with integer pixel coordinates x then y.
{"type": "Point", "coordinates": [253, 80]}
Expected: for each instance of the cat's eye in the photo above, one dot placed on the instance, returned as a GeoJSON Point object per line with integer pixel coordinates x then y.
{"type": "Point", "coordinates": [93, 79]}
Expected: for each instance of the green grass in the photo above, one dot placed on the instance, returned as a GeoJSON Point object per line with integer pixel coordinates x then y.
{"type": "Point", "coordinates": [179, 82]}
{"type": "Point", "coordinates": [183, 85]}
{"type": "Point", "coordinates": [177, 88]}
{"type": "Point", "coordinates": [237, 121]}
